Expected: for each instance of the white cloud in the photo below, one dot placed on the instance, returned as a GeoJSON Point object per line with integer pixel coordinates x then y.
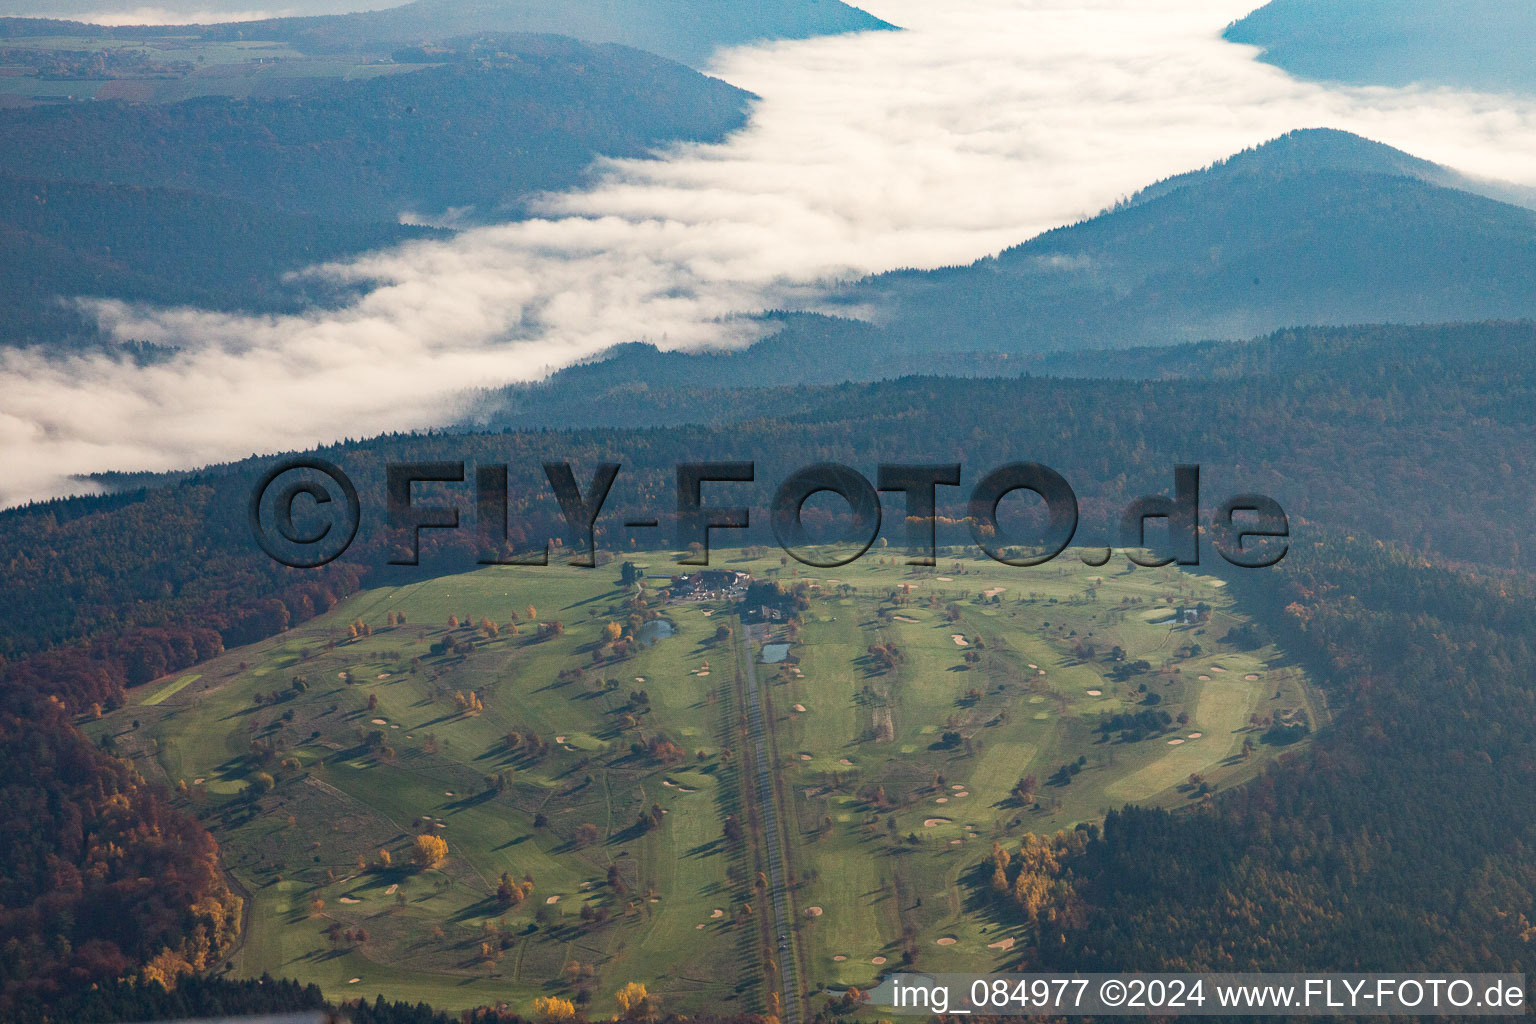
{"type": "Point", "coordinates": [169, 16]}
{"type": "Point", "coordinates": [984, 123]}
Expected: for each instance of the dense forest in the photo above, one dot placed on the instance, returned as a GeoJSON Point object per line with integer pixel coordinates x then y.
{"type": "Point", "coordinates": [1400, 838]}
{"type": "Point", "coordinates": [1402, 841]}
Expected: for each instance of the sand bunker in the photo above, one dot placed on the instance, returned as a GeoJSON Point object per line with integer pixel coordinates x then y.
{"type": "Point", "coordinates": [698, 927]}
{"type": "Point", "coordinates": [904, 618]}
{"type": "Point", "coordinates": [957, 786]}
{"type": "Point", "coordinates": [447, 792]}
{"type": "Point", "coordinates": [717, 913]}
{"type": "Point", "coordinates": [961, 795]}
{"type": "Point", "coordinates": [382, 675]}
{"type": "Point", "coordinates": [1095, 693]}
{"type": "Point", "coordinates": [1174, 743]}
{"type": "Point", "coordinates": [1004, 944]}
{"type": "Point", "coordinates": [380, 721]}
{"type": "Point", "coordinates": [1040, 673]}
{"type": "Point", "coordinates": [839, 958]}
{"type": "Point", "coordinates": [1203, 678]}
{"type": "Point", "coordinates": [639, 679]}
{"type": "Point", "coordinates": [935, 822]}
{"type": "Point", "coordinates": [814, 911]}
{"type": "Point", "coordinates": [994, 591]}
{"type": "Point", "coordinates": [1034, 666]}
{"type": "Point", "coordinates": [199, 781]}
{"type": "Point", "coordinates": [341, 675]}
{"type": "Point", "coordinates": [392, 889]}
{"type": "Point", "coordinates": [1217, 668]}
{"type": "Point", "coordinates": [349, 899]}
{"type": "Point", "coordinates": [945, 579]}
{"type": "Point", "coordinates": [805, 757]}
{"type": "Point", "coordinates": [942, 800]}
{"type": "Point", "coordinates": [877, 961]}
{"type": "Point", "coordinates": [956, 842]}
{"type": "Point", "coordinates": [800, 708]}
{"type": "Point", "coordinates": [844, 760]}
{"type": "Point", "coordinates": [960, 640]}
{"type": "Point", "coordinates": [552, 899]}
{"type": "Point", "coordinates": [948, 940]}
{"type": "Point", "coordinates": [1251, 676]}
{"type": "Point", "coordinates": [353, 981]}
{"type": "Point", "coordinates": [559, 739]}
{"type": "Point", "coordinates": [1196, 735]}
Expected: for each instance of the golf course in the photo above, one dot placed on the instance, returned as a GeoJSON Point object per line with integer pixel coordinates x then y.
{"type": "Point", "coordinates": [528, 782]}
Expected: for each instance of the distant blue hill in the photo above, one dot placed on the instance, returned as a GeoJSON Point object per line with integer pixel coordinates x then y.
{"type": "Point", "coordinates": [689, 31]}
{"type": "Point", "coordinates": [1485, 45]}
{"type": "Point", "coordinates": [1318, 227]}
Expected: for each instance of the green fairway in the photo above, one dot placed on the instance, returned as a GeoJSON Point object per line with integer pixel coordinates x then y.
{"type": "Point", "coordinates": [515, 714]}
{"type": "Point", "coordinates": [171, 689]}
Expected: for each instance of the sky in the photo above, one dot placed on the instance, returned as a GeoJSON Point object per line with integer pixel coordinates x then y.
{"type": "Point", "coordinates": [982, 124]}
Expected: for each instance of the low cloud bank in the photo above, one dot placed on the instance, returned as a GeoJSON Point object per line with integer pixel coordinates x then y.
{"type": "Point", "coordinates": [984, 123]}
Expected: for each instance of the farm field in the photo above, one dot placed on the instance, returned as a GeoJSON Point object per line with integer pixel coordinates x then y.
{"type": "Point", "coordinates": [578, 745]}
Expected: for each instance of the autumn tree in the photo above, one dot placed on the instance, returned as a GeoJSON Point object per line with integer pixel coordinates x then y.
{"type": "Point", "coordinates": [429, 851]}
{"type": "Point", "coordinates": [554, 1009]}
{"type": "Point", "coordinates": [634, 1001]}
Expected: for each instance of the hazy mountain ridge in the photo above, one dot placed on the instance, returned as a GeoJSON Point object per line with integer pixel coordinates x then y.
{"type": "Point", "coordinates": [1317, 227]}
{"type": "Point", "coordinates": [1473, 44]}
{"type": "Point", "coordinates": [465, 133]}
{"type": "Point", "coordinates": [689, 31]}
{"type": "Point", "coordinates": [167, 246]}
{"type": "Point", "coordinates": [211, 201]}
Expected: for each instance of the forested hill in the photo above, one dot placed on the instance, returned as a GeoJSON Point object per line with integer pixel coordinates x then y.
{"type": "Point", "coordinates": [1383, 432]}
{"type": "Point", "coordinates": [1291, 233]}
{"type": "Point", "coordinates": [474, 132]}
{"type": "Point", "coordinates": [684, 30]}
{"type": "Point", "coordinates": [1471, 44]}
{"type": "Point", "coordinates": [1317, 227]}
{"type": "Point", "coordinates": [211, 201]}
{"type": "Point", "coordinates": [160, 245]}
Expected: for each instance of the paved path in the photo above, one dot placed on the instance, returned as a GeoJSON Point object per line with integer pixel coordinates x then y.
{"type": "Point", "coordinates": [761, 785]}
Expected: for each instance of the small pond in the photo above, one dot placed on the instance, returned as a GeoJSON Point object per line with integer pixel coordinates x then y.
{"type": "Point", "coordinates": [775, 653]}
{"type": "Point", "coordinates": [656, 629]}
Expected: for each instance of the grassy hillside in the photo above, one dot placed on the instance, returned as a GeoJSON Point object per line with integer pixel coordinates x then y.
{"type": "Point", "coordinates": [378, 748]}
